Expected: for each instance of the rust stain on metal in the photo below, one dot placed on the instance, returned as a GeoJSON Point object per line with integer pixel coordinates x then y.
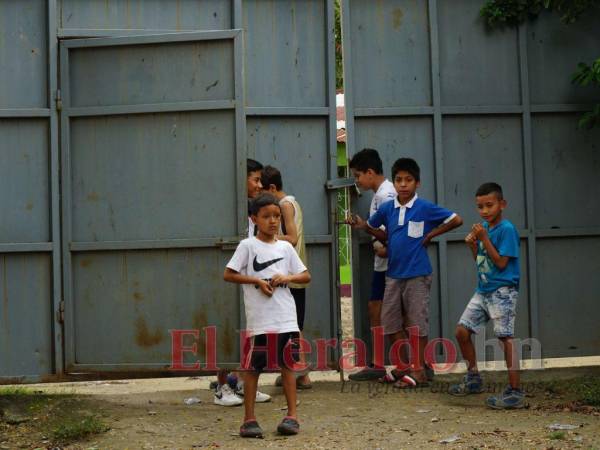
{"type": "Point", "coordinates": [29, 206]}
{"type": "Point", "coordinates": [199, 321]}
{"type": "Point", "coordinates": [397, 15]}
{"type": "Point", "coordinates": [93, 197]}
{"type": "Point", "coordinates": [138, 296]}
{"type": "Point", "coordinates": [143, 336]}
{"type": "Point", "coordinates": [228, 338]}
{"type": "Point", "coordinates": [87, 262]}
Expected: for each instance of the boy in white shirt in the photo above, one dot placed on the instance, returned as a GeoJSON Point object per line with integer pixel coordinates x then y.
{"type": "Point", "coordinates": [367, 168]}
{"type": "Point", "coordinates": [264, 266]}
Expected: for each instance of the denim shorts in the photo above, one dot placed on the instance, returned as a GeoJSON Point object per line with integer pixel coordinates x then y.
{"type": "Point", "coordinates": [500, 306]}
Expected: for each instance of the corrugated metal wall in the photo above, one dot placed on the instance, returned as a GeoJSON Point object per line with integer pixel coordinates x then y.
{"type": "Point", "coordinates": [425, 79]}
{"type": "Point", "coordinates": [154, 135]}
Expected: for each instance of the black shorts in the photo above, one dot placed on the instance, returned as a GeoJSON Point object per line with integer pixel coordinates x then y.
{"type": "Point", "coordinates": [299, 295]}
{"type": "Point", "coordinates": [377, 286]}
{"type": "Point", "coordinates": [267, 351]}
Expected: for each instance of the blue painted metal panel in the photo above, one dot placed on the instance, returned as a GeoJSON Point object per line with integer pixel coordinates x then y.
{"type": "Point", "coordinates": [554, 50]}
{"type": "Point", "coordinates": [390, 44]}
{"type": "Point", "coordinates": [153, 176]}
{"type": "Point", "coordinates": [23, 54]}
{"type": "Point", "coordinates": [174, 72]}
{"type": "Point", "coordinates": [567, 164]}
{"type": "Point", "coordinates": [480, 149]}
{"type": "Point", "coordinates": [285, 52]}
{"type": "Point", "coordinates": [483, 89]}
{"type": "Point", "coordinates": [25, 315]}
{"type": "Point", "coordinates": [177, 15]}
{"type": "Point", "coordinates": [24, 181]}
{"type": "Point", "coordinates": [476, 68]}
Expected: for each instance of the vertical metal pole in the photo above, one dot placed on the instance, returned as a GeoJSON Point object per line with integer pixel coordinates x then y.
{"type": "Point", "coordinates": [335, 309]}
{"type": "Point", "coordinates": [439, 162]}
{"type": "Point", "coordinates": [529, 185]}
{"type": "Point", "coordinates": [57, 327]}
{"type": "Point", "coordinates": [68, 325]}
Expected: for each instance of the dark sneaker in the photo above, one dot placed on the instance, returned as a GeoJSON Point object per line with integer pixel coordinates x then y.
{"type": "Point", "coordinates": [509, 399]}
{"type": "Point", "coordinates": [472, 384]}
{"type": "Point", "coordinates": [429, 372]}
{"type": "Point", "coordinates": [251, 429]}
{"type": "Point", "coordinates": [368, 373]}
{"type": "Point", "coordinates": [288, 426]}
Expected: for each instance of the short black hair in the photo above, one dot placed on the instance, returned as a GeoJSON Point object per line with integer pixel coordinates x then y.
{"type": "Point", "coordinates": [490, 188]}
{"type": "Point", "coordinates": [367, 158]}
{"type": "Point", "coordinates": [271, 175]}
{"type": "Point", "coordinates": [264, 199]}
{"type": "Point", "coordinates": [252, 166]}
{"type": "Point", "coordinates": [407, 165]}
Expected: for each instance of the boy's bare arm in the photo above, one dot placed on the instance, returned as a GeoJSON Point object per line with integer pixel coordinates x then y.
{"type": "Point", "coordinates": [443, 228]}
{"type": "Point", "coordinates": [300, 278]}
{"type": "Point", "coordinates": [359, 223]}
{"type": "Point", "coordinates": [287, 210]}
{"type": "Point", "coordinates": [499, 261]}
{"type": "Point", "coordinates": [232, 276]}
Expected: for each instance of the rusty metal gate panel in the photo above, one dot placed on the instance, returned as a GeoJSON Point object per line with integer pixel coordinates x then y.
{"type": "Point", "coordinates": [153, 163]}
{"type": "Point", "coordinates": [425, 79]}
{"type": "Point", "coordinates": [30, 334]}
{"type": "Point", "coordinates": [292, 103]}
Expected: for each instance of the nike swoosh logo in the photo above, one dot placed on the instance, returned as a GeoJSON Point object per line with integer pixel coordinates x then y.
{"type": "Point", "coordinates": [259, 266]}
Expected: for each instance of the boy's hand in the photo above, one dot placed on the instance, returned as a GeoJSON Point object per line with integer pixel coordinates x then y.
{"type": "Point", "coordinates": [356, 222]}
{"type": "Point", "coordinates": [279, 279]}
{"type": "Point", "coordinates": [427, 239]}
{"type": "Point", "coordinates": [265, 287]}
{"type": "Point", "coordinates": [479, 232]}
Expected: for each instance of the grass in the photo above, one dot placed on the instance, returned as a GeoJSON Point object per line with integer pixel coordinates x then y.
{"type": "Point", "coordinates": [588, 390]}
{"type": "Point", "coordinates": [75, 429]}
{"type": "Point", "coordinates": [63, 417]}
{"type": "Point", "coordinates": [557, 436]}
{"type": "Point", "coordinates": [345, 274]}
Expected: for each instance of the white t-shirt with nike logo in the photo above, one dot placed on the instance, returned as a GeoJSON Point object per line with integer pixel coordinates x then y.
{"type": "Point", "coordinates": [275, 314]}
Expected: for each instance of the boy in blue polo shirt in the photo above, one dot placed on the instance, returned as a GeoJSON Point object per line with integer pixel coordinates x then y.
{"type": "Point", "coordinates": [495, 248]}
{"type": "Point", "coordinates": [410, 224]}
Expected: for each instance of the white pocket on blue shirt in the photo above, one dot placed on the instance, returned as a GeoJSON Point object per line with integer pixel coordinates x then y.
{"type": "Point", "coordinates": [415, 229]}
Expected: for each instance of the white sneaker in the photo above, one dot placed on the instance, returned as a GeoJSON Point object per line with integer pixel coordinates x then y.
{"type": "Point", "coordinates": [261, 397]}
{"type": "Point", "coordinates": [224, 396]}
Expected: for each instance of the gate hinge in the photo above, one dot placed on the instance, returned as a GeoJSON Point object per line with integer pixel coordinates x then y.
{"type": "Point", "coordinates": [58, 100]}
{"type": "Point", "coordinates": [61, 312]}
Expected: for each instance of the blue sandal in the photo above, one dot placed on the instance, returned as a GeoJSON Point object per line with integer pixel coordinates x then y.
{"type": "Point", "coordinates": [509, 399]}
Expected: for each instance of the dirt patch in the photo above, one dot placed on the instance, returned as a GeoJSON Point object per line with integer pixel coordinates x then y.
{"type": "Point", "coordinates": [333, 414]}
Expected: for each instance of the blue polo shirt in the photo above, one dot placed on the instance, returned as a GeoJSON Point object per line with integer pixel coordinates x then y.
{"type": "Point", "coordinates": [407, 225]}
{"type": "Point", "coordinates": [505, 239]}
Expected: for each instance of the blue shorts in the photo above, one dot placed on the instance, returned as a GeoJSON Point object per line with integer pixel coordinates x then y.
{"type": "Point", "coordinates": [499, 306]}
{"type": "Point", "coordinates": [377, 286]}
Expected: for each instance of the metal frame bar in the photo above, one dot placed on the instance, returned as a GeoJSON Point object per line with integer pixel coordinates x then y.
{"type": "Point", "coordinates": [57, 326]}
{"type": "Point", "coordinates": [10, 113]}
{"type": "Point", "coordinates": [335, 307]}
{"type": "Point", "coordinates": [287, 111]}
{"type": "Point", "coordinates": [438, 152]}
{"type": "Point", "coordinates": [27, 247]}
{"type": "Point", "coordinates": [151, 39]}
{"type": "Point", "coordinates": [149, 108]}
{"type": "Point", "coordinates": [529, 183]}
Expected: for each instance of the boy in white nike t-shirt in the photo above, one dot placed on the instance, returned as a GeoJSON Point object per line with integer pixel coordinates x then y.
{"type": "Point", "coordinates": [265, 266]}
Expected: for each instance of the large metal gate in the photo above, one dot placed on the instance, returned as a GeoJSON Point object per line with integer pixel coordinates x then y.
{"type": "Point", "coordinates": [425, 79]}
{"type": "Point", "coordinates": [157, 117]}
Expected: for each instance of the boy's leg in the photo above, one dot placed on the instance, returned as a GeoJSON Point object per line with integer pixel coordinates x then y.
{"type": "Point", "coordinates": [289, 389]}
{"type": "Point", "coordinates": [250, 386]}
{"type": "Point", "coordinates": [415, 301]}
{"type": "Point", "coordinates": [512, 362]}
{"type": "Point", "coordinates": [467, 349]}
{"type": "Point", "coordinates": [373, 371]}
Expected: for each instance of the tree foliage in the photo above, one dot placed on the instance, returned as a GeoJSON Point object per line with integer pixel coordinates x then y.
{"type": "Point", "coordinates": [339, 67]}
